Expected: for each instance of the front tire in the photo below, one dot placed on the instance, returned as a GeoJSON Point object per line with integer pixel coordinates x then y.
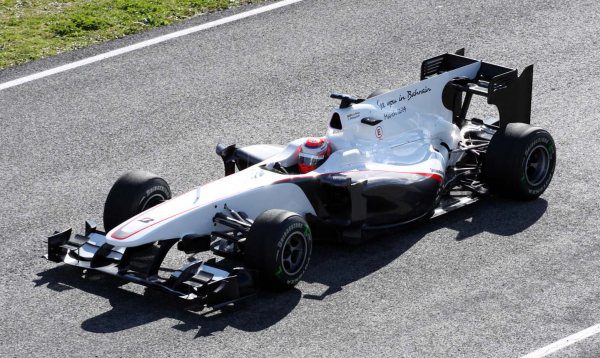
{"type": "Point", "coordinates": [279, 246]}
{"type": "Point", "coordinates": [131, 194]}
{"type": "Point", "coordinates": [520, 161]}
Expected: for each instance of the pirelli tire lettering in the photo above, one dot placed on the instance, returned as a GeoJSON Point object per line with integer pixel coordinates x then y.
{"type": "Point", "coordinates": [279, 246]}
{"type": "Point", "coordinates": [520, 161]}
{"type": "Point", "coordinates": [541, 146]}
{"type": "Point", "coordinates": [155, 192]}
{"type": "Point", "coordinates": [292, 276]}
{"type": "Point", "coordinates": [132, 194]}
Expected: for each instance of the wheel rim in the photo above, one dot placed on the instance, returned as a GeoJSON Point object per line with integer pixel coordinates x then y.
{"type": "Point", "coordinates": [537, 165]}
{"type": "Point", "coordinates": [294, 253]}
{"type": "Point", "coordinates": [153, 201]}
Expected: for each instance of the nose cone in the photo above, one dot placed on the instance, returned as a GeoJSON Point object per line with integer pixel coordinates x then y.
{"type": "Point", "coordinates": [151, 218]}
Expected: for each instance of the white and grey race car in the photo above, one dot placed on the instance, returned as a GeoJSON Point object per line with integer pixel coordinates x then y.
{"type": "Point", "coordinates": [397, 157]}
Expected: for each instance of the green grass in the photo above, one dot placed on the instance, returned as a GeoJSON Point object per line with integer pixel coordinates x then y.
{"type": "Point", "coordinates": [32, 29]}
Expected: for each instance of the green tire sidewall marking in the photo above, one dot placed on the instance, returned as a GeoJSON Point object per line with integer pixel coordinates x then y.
{"type": "Point", "coordinates": [306, 231]}
{"type": "Point", "coordinates": [279, 271]}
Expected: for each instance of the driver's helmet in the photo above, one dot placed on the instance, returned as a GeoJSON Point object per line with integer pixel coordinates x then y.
{"type": "Point", "coordinates": [313, 153]}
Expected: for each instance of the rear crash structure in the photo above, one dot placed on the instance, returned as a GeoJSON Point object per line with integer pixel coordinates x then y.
{"type": "Point", "coordinates": [398, 156]}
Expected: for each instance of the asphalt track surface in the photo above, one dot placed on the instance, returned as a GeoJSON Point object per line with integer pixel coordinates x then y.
{"type": "Point", "coordinates": [498, 279]}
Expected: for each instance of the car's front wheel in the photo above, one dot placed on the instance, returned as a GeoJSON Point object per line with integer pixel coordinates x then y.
{"type": "Point", "coordinates": [278, 246]}
{"type": "Point", "coordinates": [132, 194]}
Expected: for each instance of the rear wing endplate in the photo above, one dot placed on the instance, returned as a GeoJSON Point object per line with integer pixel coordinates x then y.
{"type": "Point", "coordinates": [502, 86]}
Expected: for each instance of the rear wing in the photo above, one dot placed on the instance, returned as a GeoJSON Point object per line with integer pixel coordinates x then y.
{"type": "Point", "coordinates": [502, 86]}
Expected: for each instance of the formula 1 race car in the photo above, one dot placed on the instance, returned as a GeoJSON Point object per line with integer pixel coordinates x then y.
{"type": "Point", "coordinates": [391, 159]}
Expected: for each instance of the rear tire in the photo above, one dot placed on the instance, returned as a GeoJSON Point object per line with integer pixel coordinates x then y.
{"type": "Point", "coordinates": [278, 245]}
{"type": "Point", "coordinates": [520, 161]}
{"type": "Point", "coordinates": [131, 194]}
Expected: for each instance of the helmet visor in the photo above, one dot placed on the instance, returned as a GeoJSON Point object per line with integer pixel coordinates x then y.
{"type": "Point", "coordinates": [310, 160]}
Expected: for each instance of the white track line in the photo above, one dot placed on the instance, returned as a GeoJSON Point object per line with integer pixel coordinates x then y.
{"type": "Point", "coordinates": [150, 42]}
{"type": "Point", "coordinates": [565, 342]}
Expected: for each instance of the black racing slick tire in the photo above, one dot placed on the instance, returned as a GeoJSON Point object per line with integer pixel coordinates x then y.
{"type": "Point", "coordinates": [278, 246]}
{"type": "Point", "coordinates": [520, 161]}
{"type": "Point", "coordinates": [131, 194]}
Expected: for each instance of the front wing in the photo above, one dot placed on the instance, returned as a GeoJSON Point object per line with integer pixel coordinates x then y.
{"type": "Point", "coordinates": [204, 283]}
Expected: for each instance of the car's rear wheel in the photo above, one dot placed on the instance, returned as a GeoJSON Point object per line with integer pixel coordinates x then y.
{"type": "Point", "coordinates": [520, 161]}
{"type": "Point", "coordinates": [132, 194]}
{"type": "Point", "coordinates": [278, 246]}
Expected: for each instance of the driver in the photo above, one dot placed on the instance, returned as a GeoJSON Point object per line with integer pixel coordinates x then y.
{"type": "Point", "coordinates": [312, 154]}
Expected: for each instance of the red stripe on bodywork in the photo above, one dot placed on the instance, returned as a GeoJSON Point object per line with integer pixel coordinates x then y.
{"type": "Point", "coordinates": [145, 227]}
{"type": "Point", "coordinates": [433, 176]}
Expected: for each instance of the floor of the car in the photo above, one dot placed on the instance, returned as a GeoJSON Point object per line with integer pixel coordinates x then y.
{"type": "Point", "coordinates": [454, 200]}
